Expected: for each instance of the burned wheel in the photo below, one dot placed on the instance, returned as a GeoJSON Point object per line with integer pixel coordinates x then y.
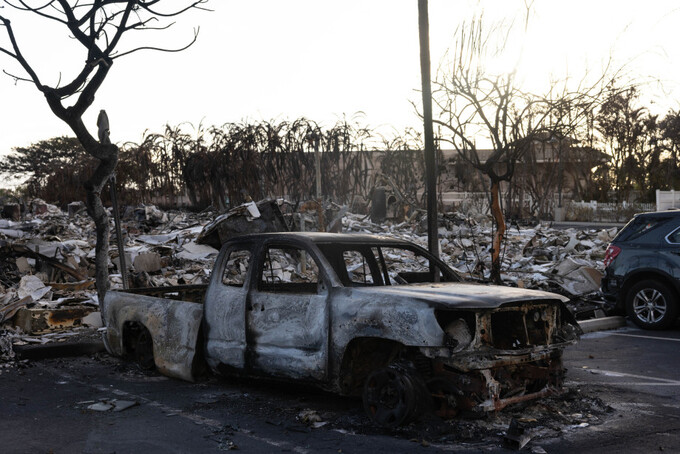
{"type": "Point", "coordinates": [143, 352]}
{"type": "Point", "coordinates": [651, 305]}
{"type": "Point", "coordinates": [391, 396]}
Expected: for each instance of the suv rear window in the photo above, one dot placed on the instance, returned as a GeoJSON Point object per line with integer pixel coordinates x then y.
{"type": "Point", "coordinates": [674, 237]}
{"type": "Point", "coordinates": [640, 226]}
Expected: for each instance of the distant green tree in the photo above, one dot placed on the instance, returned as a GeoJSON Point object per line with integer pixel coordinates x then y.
{"type": "Point", "coordinates": [54, 169]}
{"type": "Point", "coordinates": [669, 132]}
{"type": "Point", "coordinates": [627, 129]}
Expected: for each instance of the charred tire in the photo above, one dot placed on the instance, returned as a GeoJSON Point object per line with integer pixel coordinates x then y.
{"type": "Point", "coordinates": [651, 305]}
{"type": "Point", "coordinates": [143, 349]}
{"type": "Point", "coordinates": [394, 395]}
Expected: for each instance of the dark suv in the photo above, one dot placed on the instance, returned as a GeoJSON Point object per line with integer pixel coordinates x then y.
{"type": "Point", "coordinates": [642, 269]}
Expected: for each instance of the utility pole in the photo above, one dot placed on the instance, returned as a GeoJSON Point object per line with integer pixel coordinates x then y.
{"type": "Point", "coordinates": [430, 171]}
{"type": "Point", "coordinates": [316, 137]}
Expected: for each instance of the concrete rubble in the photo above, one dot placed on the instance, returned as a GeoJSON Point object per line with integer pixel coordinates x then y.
{"type": "Point", "coordinates": [47, 270]}
{"type": "Point", "coordinates": [568, 261]}
{"type": "Point", "coordinates": [47, 256]}
{"type": "Point", "coordinates": [106, 405]}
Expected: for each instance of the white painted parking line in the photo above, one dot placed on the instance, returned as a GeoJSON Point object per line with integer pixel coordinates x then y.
{"type": "Point", "coordinates": [611, 373]}
{"type": "Point", "coordinates": [624, 383]}
{"type": "Point", "coordinates": [648, 381]}
{"type": "Point", "coordinates": [646, 337]}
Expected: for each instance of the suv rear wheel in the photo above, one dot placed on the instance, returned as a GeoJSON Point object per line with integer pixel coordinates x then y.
{"type": "Point", "coordinates": [651, 305]}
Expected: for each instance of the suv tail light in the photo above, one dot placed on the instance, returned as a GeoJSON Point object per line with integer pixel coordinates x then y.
{"type": "Point", "coordinates": [610, 255]}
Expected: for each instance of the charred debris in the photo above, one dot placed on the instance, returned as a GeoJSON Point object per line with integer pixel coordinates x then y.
{"type": "Point", "coordinates": [47, 289]}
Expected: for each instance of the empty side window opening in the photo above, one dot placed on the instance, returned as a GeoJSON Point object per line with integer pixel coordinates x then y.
{"type": "Point", "coordinates": [289, 269]}
{"type": "Point", "coordinates": [359, 270]}
{"type": "Point", "coordinates": [236, 269]}
{"type": "Point", "coordinates": [404, 266]}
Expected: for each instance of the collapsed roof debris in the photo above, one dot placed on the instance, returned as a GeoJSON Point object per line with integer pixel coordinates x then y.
{"type": "Point", "coordinates": [264, 216]}
{"type": "Point", "coordinates": [562, 261]}
{"type": "Point", "coordinates": [47, 266]}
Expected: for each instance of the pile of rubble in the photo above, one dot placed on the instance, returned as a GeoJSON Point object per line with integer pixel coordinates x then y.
{"type": "Point", "coordinates": [47, 256]}
{"type": "Point", "coordinates": [563, 261]}
{"type": "Point", "coordinates": [47, 286]}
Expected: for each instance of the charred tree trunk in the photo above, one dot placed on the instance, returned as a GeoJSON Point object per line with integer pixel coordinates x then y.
{"type": "Point", "coordinates": [107, 154]}
{"type": "Point", "coordinates": [97, 211]}
{"type": "Point", "coordinates": [497, 214]}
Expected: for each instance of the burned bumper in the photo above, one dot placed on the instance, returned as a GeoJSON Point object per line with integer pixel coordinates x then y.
{"type": "Point", "coordinates": [492, 379]}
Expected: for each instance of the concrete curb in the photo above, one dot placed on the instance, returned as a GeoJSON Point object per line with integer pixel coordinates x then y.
{"type": "Point", "coordinates": [602, 324]}
{"type": "Point", "coordinates": [58, 350]}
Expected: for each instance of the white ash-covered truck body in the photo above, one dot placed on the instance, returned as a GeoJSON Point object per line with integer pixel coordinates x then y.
{"type": "Point", "coordinates": [352, 314]}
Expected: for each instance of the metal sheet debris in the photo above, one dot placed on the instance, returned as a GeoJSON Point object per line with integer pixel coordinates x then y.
{"type": "Point", "coordinates": [33, 287]}
{"type": "Point", "coordinates": [37, 320]}
{"type": "Point", "coordinates": [149, 262]}
{"type": "Point", "coordinates": [53, 249]}
{"type": "Point", "coordinates": [242, 220]}
{"type": "Point", "coordinates": [111, 405]}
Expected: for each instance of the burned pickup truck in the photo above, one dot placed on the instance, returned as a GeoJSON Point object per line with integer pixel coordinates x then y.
{"type": "Point", "coordinates": [354, 314]}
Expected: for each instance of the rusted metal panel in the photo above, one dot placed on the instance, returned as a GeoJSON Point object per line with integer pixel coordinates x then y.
{"type": "Point", "coordinates": [41, 320]}
{"type": "Point", "coordinates": [72, 286]}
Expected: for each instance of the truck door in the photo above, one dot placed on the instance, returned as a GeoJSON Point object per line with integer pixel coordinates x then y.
{"type": "Point", "coordinates": [287, 315]}
{"type": "Point", "coordinates": [224, 310]}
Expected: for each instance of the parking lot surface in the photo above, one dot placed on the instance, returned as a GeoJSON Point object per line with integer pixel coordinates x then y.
{"type": "Point", "coordinates": [623, 395]}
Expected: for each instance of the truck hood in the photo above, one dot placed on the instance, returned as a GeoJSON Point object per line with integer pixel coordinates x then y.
{"type": "Point", "coordinates": [458, 295]}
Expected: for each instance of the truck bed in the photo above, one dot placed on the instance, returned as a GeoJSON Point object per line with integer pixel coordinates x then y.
{"type": "Point", "coordinates": [190, 293]}
{"type": "Point", "coordinates": [169, 318]}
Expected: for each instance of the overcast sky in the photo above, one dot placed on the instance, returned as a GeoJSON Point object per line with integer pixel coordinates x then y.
{"type": "Point", "coordinates": [275, 60]}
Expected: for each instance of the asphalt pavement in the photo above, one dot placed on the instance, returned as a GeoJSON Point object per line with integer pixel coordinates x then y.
{"type": "Point", "coordinates": [637, 373]}
{"type": "Point", "coordinates": [46, 406]}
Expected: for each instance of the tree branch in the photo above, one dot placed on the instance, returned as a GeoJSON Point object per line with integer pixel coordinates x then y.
{"type": "Point", "coordinates": [36, 10]}
{"type": "Point", "coordinates": [17, 54]}
{"type": "Point", "coordinates": [160, 49]}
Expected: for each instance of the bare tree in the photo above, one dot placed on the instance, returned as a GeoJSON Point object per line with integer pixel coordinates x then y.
{"type": "Point", "coordinates": [97, 26]}
{"type": "Point", "coordinates": [476, 105]}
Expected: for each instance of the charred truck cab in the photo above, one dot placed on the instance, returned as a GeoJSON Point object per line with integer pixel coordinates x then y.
{"type": "Point", "coordinates": [357, 315]}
